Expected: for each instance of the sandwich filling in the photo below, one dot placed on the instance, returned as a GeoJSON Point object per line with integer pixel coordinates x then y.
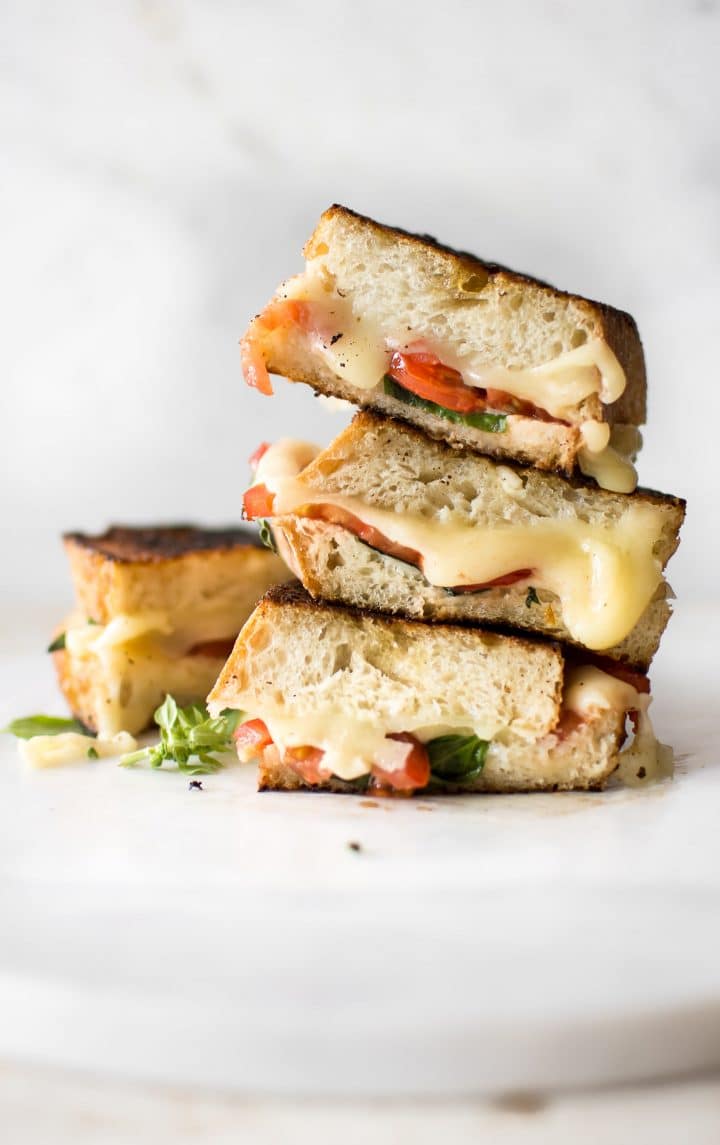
{"type": "Point", "coordinates": [131, 654]}
{"type": "Point", "coordinates": [604, 575]}
{"type": "Point", "coordinates": [325, 743]}
{"type": "Point", "coordinates": [370, 355]}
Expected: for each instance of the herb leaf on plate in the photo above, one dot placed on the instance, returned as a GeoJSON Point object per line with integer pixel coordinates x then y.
{"type": "Point", "coordinates": [189, 738]}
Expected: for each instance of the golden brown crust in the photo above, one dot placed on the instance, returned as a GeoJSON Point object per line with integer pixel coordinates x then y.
{"type": "Point", "coordinates": [293, 595]}
{"type": "Point", "coordinates": [151, 544]}
{"type": "Point", "coordinates": [127, 570]}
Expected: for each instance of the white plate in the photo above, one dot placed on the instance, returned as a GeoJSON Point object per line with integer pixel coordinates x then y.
{"type": "Point", "coordinates": [232, 939]}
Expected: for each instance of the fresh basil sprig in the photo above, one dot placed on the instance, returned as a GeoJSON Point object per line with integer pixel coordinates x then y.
{"type": "Point", "coordinates": [266, 534]}
{"type": "Point", "coordinates": [456, 759]}
{"type": "Point", "coordinates": [28, 726]}
{"type": "Point", "coordinates": [188, 738]}
{"type": "Point", "coordinates": [490, 422]}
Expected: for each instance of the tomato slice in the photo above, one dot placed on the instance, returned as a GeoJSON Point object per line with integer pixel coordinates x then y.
{"type": "Point", "coordinates": [257, 502]}
{"type": "Point", "coordinates": [255, 458]}
{"type": "Point", "coordinates": [499, 582]}
{"type": "Point", "coordinates": [414, 773]}
{"type": "Point", "coordinates": [377, 540]}
{"type": "Point", "coordinates": [367, 533]}
{"type": "Point", "coordinates": [251, 738]}
{"type": "Point", "coordinates": [425, 375]}
{"type": "Point", "coordinates": [253, 364]}
{"type": "Point", "coordinates": [284, 314]}
{"type": "Point", "coordinates": [306, 762]}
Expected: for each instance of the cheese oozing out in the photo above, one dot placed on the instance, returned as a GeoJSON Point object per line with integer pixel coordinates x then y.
{"type": "Point", "coordinates": [358, 354]}
{"type": "Point", "coordinates": [604, 575]}
{"type": "Point", "coordinates": [645, 760]}
{"type": "Point", "coordinates": [136, 658]}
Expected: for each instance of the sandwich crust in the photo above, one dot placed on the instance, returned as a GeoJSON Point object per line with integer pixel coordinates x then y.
{"type": "Point", "coordinates": [172, 568]}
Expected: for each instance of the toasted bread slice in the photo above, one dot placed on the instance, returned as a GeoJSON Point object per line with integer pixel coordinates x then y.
{"type": "Point", "coordinates": [157, 612]}
{"type": "Point", "coordinates": [370, 290]}
{"type": "Point", "coordinates": [343, 681]}
{"type": "Point", "coordinates": [387, 519]}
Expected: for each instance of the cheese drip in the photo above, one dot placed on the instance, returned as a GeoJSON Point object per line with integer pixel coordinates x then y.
{"type": "Point", "coordinates": [645, 760]}
{"type": "Point", "coordinates": [601, 457]}
{"type": "Point", "coordinates": [72, 747]}
{"type": "Point", "coordinates": [360, 356]}
{"type": "Point", "coordinates": [605, 576]}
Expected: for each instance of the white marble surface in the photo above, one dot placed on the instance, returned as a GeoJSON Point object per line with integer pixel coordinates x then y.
{"type": "Point", "coordinates": [164, 161]}
{"type": "Point", "coordinates": [232, 941]}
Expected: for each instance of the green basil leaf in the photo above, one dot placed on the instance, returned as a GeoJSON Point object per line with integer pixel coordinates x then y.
{"type": "Point", "coordinates": [189, 737]}
{"type": "Point", "coordinates": [532, 597]}
{"type": "Point", "coordinates": [489, 422]}
{"type": "Point", "coordinates": [456, 758]}
{"type": "Point", "coordinates": [92, 754]}
{"type": "Point", "coordinates": [28, 726]}
{"type": "Point", "coordinates": [266, 534]}
{"type": "Point", "coordinates": [166, 714]}
{"type": "Point", "coordinates": [57, 644]}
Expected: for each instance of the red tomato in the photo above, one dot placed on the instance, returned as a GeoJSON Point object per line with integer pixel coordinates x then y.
{"type": "Point", "coordinates": [414, 773]}
{"type": "Point", "coordinates": [257, 502]}
{"type": "Point", "coordinates": [253, 364]}
{"type": "Point", "coordinates": [367, 533]}
{"type": "Point", "coordinates": [425, 375]}
{"type": "Point", "coordinates": [306, 761]}
{"type": "Point", "coordinates": [500, 581]}
{"type": "Point", "coordinates": [255, 458]}
{"type": "Point", "coordinates": [251, 738]}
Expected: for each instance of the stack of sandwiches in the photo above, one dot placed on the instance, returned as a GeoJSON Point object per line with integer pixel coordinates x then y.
{"type": "Point", "coordinates": [482, 584]}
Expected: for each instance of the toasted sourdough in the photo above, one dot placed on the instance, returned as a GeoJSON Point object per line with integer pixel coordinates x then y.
{"type": "Point", "coordinates": [400, 281]}
{"type": "Point", "coordinates": [200, 585]}
{"type": "Point", "coordinates": [296, 657]}
{"type": "Point", "coordinates": [392, 466]}
{"type": "Point", "coordinates": [169, 567]}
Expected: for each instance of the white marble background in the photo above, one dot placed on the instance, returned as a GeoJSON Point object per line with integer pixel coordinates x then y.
{"type": "Point", "coordinates": [164, 161]}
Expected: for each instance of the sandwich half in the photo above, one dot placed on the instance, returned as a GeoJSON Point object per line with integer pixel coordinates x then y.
{"type": "Point", "coordinates": [157, 612]}
{"type": "Point", "coordinates": [388, 519]}
{"type": "Point", "coordinates": [468, 351]}
{"type": "Point", "coordinates": [350, 701]}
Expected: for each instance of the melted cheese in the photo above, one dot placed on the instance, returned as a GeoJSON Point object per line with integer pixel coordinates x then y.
{"type": "Point", "coordinates": [604, 576]}
{"type": "Point", "coordinates": [352, 746]}
{"type": "Point", "coordinates": [645, 760]}
{"type": "Point", "coordinates": [72, 747]}
{"type": "Point", "coordinates": [360, 356]}
{"type": "Point", "coordinates": [134, 660]}
{"type": "Point", "coordinates": [603, 460]}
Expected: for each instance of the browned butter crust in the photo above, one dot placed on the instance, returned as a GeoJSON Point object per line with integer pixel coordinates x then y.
{"type": "Point", "coordinates": [148, 544]}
